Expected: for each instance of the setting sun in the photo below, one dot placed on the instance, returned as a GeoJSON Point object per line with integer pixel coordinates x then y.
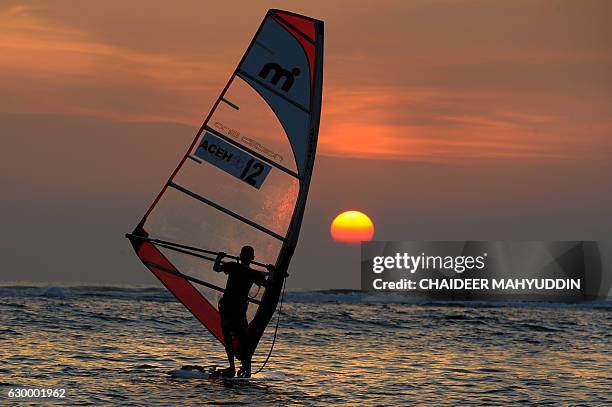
{"type": "Point", "coordinates": [352, 227]}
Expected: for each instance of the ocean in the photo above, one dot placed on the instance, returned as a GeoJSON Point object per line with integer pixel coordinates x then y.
{"type": "Point", "coordinates": [109, 345]}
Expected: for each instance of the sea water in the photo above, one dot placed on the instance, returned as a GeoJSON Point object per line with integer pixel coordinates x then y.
{"type": "Point", "coordinates": [108, 345]}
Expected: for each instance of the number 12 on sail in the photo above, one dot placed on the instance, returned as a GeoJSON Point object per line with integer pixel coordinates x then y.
{"type": "Point", "coordinates": [232, 160]}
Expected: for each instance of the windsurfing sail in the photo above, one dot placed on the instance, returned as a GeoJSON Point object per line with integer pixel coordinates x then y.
{"type": "Point", "coordinates": [245, 177]}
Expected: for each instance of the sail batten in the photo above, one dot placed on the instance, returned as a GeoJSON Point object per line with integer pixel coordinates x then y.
{"type": "Point", "coordinates": [225, 210]}
{"type": "Point", "coordinates": [245, 177]}
{"type": "Point", "coordinates": [255, 153]}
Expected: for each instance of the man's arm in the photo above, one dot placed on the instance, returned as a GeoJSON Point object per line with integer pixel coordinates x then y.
{"type": "Point", "coordinates": [264, 279]}
{"type": "Point", "coordinates": [274, 272]}
{"type": "Point", "coordinates": [260, 278]}
{"type": "Point", "coordinates": [218, 266]}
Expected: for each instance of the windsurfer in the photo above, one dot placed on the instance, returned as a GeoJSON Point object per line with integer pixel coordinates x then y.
{"type": "Point", "coordinates": [233, 307]}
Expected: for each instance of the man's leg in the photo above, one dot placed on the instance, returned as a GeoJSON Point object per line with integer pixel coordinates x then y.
{"type": "Point", "coordinates": [245, 360]}
{"type": "Point", "coordinates": [227, 339]}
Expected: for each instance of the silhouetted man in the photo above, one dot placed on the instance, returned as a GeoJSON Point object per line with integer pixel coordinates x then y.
{"type": "Point", "coordinates": [233, 306]}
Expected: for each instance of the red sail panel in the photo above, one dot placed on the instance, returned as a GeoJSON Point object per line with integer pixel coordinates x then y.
{"type": "Point", "coordinates": [298, 27]}
{"type": "Point", "coordinates": [189, 296]}
{"type": "Point", "coordinates": [305, 24]}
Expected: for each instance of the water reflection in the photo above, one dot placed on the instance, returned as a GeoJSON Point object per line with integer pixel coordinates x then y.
{"type": "Point", "coordinates": [117, 348]}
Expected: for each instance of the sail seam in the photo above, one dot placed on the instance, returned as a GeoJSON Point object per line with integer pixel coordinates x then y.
{"type": "Point", "coordinates": [245, 75]}
{"type": "Point", "coordinates": [225, 210]}
{"type": "Point", "coordinates": [255, 153]}
{"type": "Point", "coordinates": [294, 28]}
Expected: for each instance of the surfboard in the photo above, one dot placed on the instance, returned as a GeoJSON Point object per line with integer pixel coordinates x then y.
{"type": "Point", "coordinates": [199, 372]}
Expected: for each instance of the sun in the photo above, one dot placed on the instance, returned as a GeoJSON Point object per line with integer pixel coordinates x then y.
{"type": "Point", "coordinates": [352, 227]}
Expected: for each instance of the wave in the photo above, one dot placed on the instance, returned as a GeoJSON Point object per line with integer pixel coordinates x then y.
{"type": "Point", "coordinates": [105, 291]}
{"type": "Point", "coordinates": [341, 296]}
{"type": "Point", "coordinates": [360, 297]}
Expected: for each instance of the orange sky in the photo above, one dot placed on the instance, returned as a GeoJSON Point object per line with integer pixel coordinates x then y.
{"type": "Point", "coordinates": [442, 119]}
{"type": "Point", "coordinates": [426, 80]}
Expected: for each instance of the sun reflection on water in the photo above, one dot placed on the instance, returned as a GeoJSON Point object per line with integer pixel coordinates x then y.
{"type": "Point", "coordinates": [106, 349]}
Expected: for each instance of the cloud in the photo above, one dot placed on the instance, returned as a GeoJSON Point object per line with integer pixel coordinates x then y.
{"type": "Point", "coordinates": [444, 126]}
{"type": "Point", "coordinates": [52, 68]}
{"type": "Point", "coordinates": [439, 82]}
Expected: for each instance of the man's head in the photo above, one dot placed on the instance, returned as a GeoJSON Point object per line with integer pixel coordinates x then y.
{"type": "Point", "coordinates": [247, 254]}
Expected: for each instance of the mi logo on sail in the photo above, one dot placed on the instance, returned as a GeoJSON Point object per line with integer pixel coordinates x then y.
{"type": "Point", "coordinates": [279, 73]}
